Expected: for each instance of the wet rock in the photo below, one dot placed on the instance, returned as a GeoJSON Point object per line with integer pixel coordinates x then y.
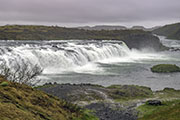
{"type": "Point", "coordinates": [173, 49]}
{"type": "Point", "coordinates": [140, 41]}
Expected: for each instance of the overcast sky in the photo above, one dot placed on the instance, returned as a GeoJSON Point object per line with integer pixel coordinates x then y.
{"type": "Point", "coordinates": [90, 12]}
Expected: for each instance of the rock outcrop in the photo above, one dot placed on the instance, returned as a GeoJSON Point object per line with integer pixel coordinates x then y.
{"type": "Point", "coordinates": [140, 41]}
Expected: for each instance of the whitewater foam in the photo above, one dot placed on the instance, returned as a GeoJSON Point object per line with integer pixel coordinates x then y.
{"type": "Point", "coordinates": [62, 56]}
{"type": "Point", "coordinates": [73, 56]}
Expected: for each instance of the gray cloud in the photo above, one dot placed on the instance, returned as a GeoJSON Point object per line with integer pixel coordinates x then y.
{"type": "Point", "coordinates": [89, 11]}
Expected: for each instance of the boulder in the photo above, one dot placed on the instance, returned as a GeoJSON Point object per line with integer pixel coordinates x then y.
{"type": "Point", "coordinates": [154, 102]}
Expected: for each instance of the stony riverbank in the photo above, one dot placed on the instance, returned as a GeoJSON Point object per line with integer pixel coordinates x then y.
{"type": "Point", "coordinates": [116, 102]}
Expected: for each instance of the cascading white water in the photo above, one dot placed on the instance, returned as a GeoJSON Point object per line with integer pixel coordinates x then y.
{"type": "Point", "coordinates": [62, 56]}
{"type": "Point", "coordinates": [95, 62]}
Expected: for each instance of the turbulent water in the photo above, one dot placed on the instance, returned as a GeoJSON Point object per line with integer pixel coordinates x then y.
{"type": "Point", "coordinates": [97, 62]}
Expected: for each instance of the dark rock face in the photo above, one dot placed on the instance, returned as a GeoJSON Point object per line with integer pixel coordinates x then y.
{"type": "Point", "coordinates": [154, 102]}
{"type": "Point", "coordinates": [140, 41]}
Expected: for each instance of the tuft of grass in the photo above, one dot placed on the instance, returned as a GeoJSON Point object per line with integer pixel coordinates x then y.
{"type": "Point", "coordinates": [165, 68]}
{"type": "Point", "coordinates": [4, 84]}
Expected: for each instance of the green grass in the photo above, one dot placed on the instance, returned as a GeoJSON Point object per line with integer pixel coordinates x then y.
{"type": "Point", "coordinates": [165, 68]}
{"type": "Point", "coordinates": [4, 84]}
{"type": "Point", "coordinates": [168, 93]}
{"type": "Point", "coordinates": [170, 110]}
{"type": "Point", "coordinates": [21, 102]}
{"type": "Point", "coordinates": [129, 92]}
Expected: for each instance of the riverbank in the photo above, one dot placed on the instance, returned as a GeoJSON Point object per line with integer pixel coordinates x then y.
{"type": "Point", "coordinates": [117, 102]}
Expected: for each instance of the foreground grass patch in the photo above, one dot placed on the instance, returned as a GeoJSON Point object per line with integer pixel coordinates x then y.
{"type": "Point", "coordinates": [21, 102]}
{"type": "Point", "coordinates": [170, 110]}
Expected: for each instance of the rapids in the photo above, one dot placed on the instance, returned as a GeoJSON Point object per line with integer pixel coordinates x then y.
{"type": "Point", "coordinates": [91, 61]}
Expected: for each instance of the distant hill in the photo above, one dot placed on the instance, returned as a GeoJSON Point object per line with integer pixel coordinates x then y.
{"type": "Point", "coordinates": [143, 28]}
{"type": "Point", "coordinates": [171, 31]}
{"type": "Point", "coordinates": [153, 28]}
{"type": "Point", "coordinates": [109, 27]}
{"type": "Point", "coordinates": [34, 32]}
{"type": "Point", "coordinates": [103, 27]}
{"type": "Point", "coordinates": [138, 27]}
{"type": "Point", "coordinates": [133, 38]}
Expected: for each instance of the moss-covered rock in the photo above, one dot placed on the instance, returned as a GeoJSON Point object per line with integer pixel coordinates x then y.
{"type": "Point", "coordinates": [165, 68]}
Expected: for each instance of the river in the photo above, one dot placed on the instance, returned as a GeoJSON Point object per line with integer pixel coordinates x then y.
{"type": "Point", "coordinates": [96, 62]}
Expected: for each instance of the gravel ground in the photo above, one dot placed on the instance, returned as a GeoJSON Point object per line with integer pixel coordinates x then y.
{"type": "Point", "coordinates": [104, 110]}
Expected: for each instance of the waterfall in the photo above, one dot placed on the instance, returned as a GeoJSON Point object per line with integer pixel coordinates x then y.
{"type": "Point", "coordinates": [62, 55]}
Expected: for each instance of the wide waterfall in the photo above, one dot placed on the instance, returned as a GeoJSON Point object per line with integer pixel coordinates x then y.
{"type": "Point", "coordinates": [90, 61]}
{"type": "Point", "coordinates": [61, 55]}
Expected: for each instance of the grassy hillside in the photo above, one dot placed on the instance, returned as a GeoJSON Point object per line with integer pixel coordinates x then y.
{"type": "Point", "coordinates": [171, 31]}
{"type": "Point", "coordinates": [21, 102]}
{"type": "Point", "coordinates": [29, 32]}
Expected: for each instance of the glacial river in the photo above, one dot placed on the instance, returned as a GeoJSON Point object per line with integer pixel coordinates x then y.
{"type": "Point", "coordinates": [96, 62]}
